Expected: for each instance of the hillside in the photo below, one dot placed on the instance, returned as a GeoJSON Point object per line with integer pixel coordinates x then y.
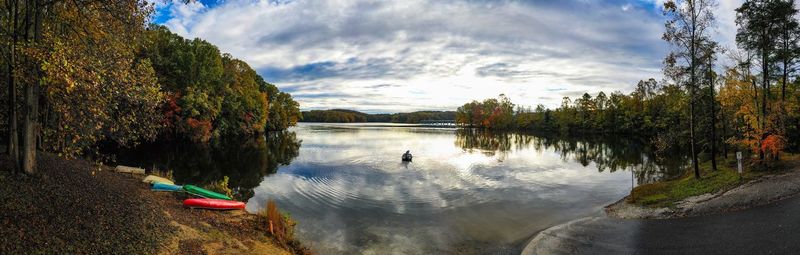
{"type": "Point", "coordinates": [351, 116]}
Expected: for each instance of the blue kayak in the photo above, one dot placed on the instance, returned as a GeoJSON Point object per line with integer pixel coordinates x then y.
{"type": "Point", "coordinates": [165, 187]}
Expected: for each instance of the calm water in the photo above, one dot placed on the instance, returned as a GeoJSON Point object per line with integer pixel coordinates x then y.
{"type": "Point", "coordinates": [465, 192]}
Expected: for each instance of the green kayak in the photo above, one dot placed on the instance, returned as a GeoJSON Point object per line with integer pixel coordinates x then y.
{"type": "Point", "coordinates": [197, 191]}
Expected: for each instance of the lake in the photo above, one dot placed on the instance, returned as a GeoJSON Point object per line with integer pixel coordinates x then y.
{"type": "Point", "coordinates": [466, 191]}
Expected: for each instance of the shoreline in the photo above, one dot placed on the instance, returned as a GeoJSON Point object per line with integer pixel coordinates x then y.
{"type": "Point", "coordinates": [759, 192]}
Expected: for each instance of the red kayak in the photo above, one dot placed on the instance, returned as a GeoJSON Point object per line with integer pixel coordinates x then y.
{"type": "Point", "coordinates": [210, 203]}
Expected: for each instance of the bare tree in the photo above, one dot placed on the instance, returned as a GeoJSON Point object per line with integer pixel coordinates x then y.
{"type": "Point", "coordinates": [687, 28]}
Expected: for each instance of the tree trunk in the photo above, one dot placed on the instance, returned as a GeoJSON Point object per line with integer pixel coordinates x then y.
{"type": "Point", "coordinates": [764, 82]}
{"type": "Point", "coordinates": [786, 62]}
{"type": "Point", "coordinates": [785, 77]}
{"type": "Point", "coordinates": [724, 134]}
{"type": "Point", "coordinates": [693, 82]}
{"type": "Point", "coordinates": [30, 123]}
{"type": "Point", "coordinates": [713, 118]}
{"type": "Point", "coordinates": [695, 165]}
{"type": "Point", "coordinates": [13, 136]}
{"type": "Point", "coordinates": [29, 130]}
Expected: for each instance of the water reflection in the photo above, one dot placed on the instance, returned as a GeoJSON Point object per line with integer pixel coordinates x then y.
{"type": "Point", "coordinates": [245, 162]}
{"type": "Point", "coordinates": [467, 191]}
{"type": "Point", "coordinates": [606, 153]}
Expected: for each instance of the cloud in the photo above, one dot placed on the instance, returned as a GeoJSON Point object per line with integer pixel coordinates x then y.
{"type": "Point", "coordinates": [439, 54]}
{"type": "Point", "coordinates": [627, 7]}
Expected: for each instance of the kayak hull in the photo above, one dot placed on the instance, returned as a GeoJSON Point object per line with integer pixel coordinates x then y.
{"type": "Point", "coordinates": [215, 204]}
{"type": "Point", "coordinates": [152, 179]}
{"type": "Point", "coordinates": [197, 191]}
{"type": "Point", "coordinates": [128, 169]}
{"type": "Point", "coordinates": [165, 187]}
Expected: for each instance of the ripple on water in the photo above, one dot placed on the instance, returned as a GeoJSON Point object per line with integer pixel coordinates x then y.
{"type": "Point", "coordinates": [404, 192]}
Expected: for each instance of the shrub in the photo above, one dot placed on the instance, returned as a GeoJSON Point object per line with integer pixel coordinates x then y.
{"type": "Point", "coordinates": [221, 186]}
{"type": "Point", "coordinates": [163, 173]}
{"type": "Point", "coordinates": [281, 227]}
{"type": "Point", "coordinates": [773, 144]}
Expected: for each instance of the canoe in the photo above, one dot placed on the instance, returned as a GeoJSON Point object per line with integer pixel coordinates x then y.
{"type": "Point", "coordinates": [128, 169]}
{"type": "Point", "coordinates": [197, 191]}
{"type": "Point", "coordinates": [158, 186]}
{"type": "Point", "coordinates": [153, 179]}
{"type": "Point", "coordinates": [210, 203]}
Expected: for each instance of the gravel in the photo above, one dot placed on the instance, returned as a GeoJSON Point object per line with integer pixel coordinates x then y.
{"type": "Point", "coordinates": [74, 207]}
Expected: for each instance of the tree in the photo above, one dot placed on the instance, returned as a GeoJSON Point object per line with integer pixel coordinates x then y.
{"type": "Point", "coordinates": [709, 56]}
{"type": "Point", "coordinates": [687, 27]}
{"type": "Point", "coordinates": [787, 53]}
{"type": "Point", "coordinates": [95, 86]}
{"type": "Point", "coordinates": [757, 33]}
{"type": "Point", "coordinates": [789, 37]}
{"type": "Point", "coordinates": [11, 33]}
{"type": "Point", "coordinates": [283, 110]}
{"type": "Point", "coordinates": [490, 114]}
{"type": "Point", "coordinates": [245, 106]}
{"type": "Point", "coordinates": [214, 94]}
{"type": "Point", "coordinates": [83, 83]}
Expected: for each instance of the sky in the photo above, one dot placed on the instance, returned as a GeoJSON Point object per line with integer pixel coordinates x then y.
{"type": "Point", "coordinates": [410, 55]}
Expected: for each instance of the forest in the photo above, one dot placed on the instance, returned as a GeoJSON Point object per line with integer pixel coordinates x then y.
{"type": "Point", "coordinates": [350, 116]}
{"type": "Point", "coordinates": [712, 99]}
{"type": "Point", "coordinates": [81, 73]}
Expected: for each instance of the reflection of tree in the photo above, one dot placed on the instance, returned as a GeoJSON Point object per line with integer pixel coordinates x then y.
{"type": "Point", "coordinates": [488, 142]}
{"type": "Point", "coordinates": [607, 153]}
{"type": "Point", "coordinates": [246, 162]}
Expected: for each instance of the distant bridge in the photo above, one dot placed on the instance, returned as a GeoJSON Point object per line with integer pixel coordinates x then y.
{"type": "Point", "coordinates": [438, 123]}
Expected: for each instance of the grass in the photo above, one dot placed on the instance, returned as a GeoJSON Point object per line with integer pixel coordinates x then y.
{"type": "Point", "coordinates": [666, 193]}
{"type": "Point", "coordinates": [281, 227]}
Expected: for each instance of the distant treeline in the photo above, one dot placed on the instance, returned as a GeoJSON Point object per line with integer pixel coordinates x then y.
{"type": "Point", "coordinates": [350, 116]}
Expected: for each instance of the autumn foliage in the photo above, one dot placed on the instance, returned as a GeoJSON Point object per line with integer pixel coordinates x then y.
{"type": "Point", "coordinates": [773, 144]}
{"type": "Point", "coordinates": [490, 114]}
{"type": "Point", "coordinates": [279, 225]}
{"type": "Point", "coordinates": [211, 94]}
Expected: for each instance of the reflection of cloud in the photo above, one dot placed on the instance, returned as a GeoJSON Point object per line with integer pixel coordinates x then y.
{"type": "Point", "coordinates": [348, 186]}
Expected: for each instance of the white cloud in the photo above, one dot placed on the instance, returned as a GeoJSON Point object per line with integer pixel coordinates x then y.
{"type": "Point", "coordinates": [627, 7]}
{"type": "Point", "coordinates": [438, 54]}
{"type": "Point", "coordinates": [184, 15]}
{"type": "Point", "coordinates": [726, 22]}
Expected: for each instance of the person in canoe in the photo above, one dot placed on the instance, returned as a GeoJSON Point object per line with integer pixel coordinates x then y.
{"type": "Point", "coordinates": [407, 156]}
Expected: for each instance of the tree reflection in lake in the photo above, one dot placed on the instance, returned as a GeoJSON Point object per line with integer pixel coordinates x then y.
{"type": "Point", "coordinates": [608, 153]}
{"type": "Point", "coordinates": [245, 162]}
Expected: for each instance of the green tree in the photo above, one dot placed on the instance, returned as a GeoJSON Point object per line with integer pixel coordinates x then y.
{"type": "Point", "coordinates": [758, 33]}
{"type": "Point", "coordinates": [284, 112]}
